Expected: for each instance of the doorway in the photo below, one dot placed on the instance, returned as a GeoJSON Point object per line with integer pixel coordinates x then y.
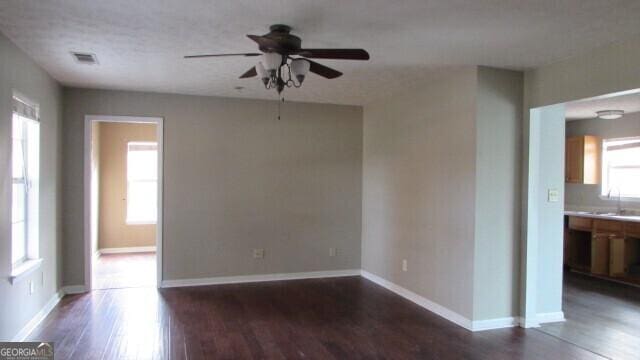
{"type": "Point", "coordinates": [582, 250]}
{"type": "Point", "coordinates": [123, 201]}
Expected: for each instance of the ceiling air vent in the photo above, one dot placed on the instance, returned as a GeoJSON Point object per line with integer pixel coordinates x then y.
{"type": "Point", "coordinates": [85, 58]}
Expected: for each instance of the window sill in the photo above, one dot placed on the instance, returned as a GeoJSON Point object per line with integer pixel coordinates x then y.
{"type": "Point", "coordinates": [20, 272]}
{"type": "Point", "coordinates": [140, 222]}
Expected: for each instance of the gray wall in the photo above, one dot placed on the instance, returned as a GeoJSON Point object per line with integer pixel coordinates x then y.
{"type": "Point", "coordinates": [587, 196]}
{"type": "Point", "coordinates": [419, 189]}
{"type": "Point", "coordinates": [497, 205]}
{"type": "Point", "coordinates": [550, 214]}
{"type": "Point", "coordinates": [236, 178]}
{"type": "Point", "coordinates": [18, 72]}
{"type": "Point", "coordinates": [441, 179]}
{"type": "Point", "coordinates": [607, 69]}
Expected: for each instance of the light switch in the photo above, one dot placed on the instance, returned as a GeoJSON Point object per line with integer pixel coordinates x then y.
{"type": "Point", "coordinates": [553, 195]}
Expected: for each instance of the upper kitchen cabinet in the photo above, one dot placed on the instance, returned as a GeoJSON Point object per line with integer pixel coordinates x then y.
{"type": "Point", "coordinates": [582, 159]}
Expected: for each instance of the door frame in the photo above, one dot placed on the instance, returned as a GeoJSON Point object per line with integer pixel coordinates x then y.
{"type": "Point", "coordinates": [530, 261]}
{"type": "Point", "coordinates": [89, 120]}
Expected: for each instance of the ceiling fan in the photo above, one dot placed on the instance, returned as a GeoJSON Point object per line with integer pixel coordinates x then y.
{"type": "Point", "coordinates": [284, 59]}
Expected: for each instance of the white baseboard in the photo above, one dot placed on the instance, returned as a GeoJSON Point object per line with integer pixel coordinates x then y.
{"type": "Point", "coordinates": [122, 250]}
{"type": "Point", "coordinates": [38, 317]}
{"type": "Point", "coordinates": [258, 278]}
{"type": "Point", "coordinates": [544, 318]}
{"type": "Point", "coordinates": [438, 309]}
{"type": "Point", "coordinates": [74, 289]}
{"type": "Point", "coordinates": [492, 324]}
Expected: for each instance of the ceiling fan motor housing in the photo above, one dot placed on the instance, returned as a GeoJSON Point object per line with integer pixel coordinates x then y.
{"type": "Point", "coordinates": [287, 43]}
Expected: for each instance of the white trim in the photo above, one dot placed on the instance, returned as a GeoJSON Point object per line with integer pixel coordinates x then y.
{"type": "Point", "coordinates": [498, 323]}
{"type": "Point", "coordinates": [21, 271]}
{"type": "Point", "coordinates": [38, 317]}
{"type": "Point", "coordinates": [544, 318]}
{"type": "Point", "coordinates": [259, 278]}
{"type": "Point", "coordinates": [133, 249]}
{"type": "Point", "coordinates": [74, 289]}
{"type": "Point", "coordinates": [438, 309]}
{"type": "Point", "coordinates": [88, 123]}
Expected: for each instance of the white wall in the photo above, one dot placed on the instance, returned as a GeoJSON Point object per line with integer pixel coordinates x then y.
{"type": "Point", "coordinates": [18, 72]}
{"type": "Point", "coordinates": [236, 178]}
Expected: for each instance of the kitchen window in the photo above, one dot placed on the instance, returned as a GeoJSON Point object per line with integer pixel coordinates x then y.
{"type": "Point", "coordinates": [142, 182]}
{"type": "Point", "coordinates": [621, 167]}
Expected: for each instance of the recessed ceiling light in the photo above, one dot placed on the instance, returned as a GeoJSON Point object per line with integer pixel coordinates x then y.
{"type": "Point", "coordinates": [610, 114]}
{"type": "Point", "coordinates": [85, 58]}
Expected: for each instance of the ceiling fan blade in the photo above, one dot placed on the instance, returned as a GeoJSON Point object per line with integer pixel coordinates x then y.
{"type": "Point", "coordinates": [220, 55]}
{"type": "Point", "coordinates": [343, 54]}
{"type": "Point", "coordinates": [250, 73]}
{"type": "Point", "coordinates": [323, 71]}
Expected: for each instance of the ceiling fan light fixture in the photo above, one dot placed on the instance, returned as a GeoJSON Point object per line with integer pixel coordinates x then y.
{"type": "Point", "coordinates": [300, 68]}
{"type": "Point", "coordinates": [610, 114]}
{"type": "Point", "coordinates": [262, 73]}
{"type": "Point", "coordinates": [271, 61]}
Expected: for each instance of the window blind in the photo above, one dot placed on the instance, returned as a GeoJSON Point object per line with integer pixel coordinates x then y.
{"type": "Point", "coordinates": [24, 109]}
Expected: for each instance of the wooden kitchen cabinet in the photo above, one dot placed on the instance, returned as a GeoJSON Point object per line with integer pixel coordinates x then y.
{"type": "Point", "coordinates": [600, 254]}
{"type": "Point", "coordinates": [624, 252]}
{"type": "Point", "coordinates": [583, 159]}
{"type": "Point", "coordinates": [603, 247]}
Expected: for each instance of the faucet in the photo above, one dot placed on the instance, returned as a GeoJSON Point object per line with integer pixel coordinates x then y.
{"type": "Point", "coordinates": [619, 207]}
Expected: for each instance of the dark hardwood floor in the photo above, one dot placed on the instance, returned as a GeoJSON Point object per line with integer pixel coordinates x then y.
{"type": "Point", "coordinates": [340, 318]}
{"type": "Point", "coordinates": [114, 271]}
{"type": "Point", "coordinates": [602, 316]}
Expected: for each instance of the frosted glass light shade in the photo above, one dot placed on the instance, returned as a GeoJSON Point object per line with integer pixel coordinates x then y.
{"type": "Point", "coordinates": [610, 114]}
{"type": "Point", "coordinates": [262, 73]}
{"type": "Point", "coordinates": [300, 68]}
{"type": "Point", "coordinates": [271, 61]}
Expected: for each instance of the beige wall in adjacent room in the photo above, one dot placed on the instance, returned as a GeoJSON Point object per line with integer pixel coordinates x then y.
{"type": "Point", "coordinates": [114, 231]}
{"type": "Point", "coordinates": [19, 73]}
{"type": "Point", "coordinates": [236, 178]}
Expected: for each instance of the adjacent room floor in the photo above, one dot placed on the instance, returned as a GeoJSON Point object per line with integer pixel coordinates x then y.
{"type": "Point", "coordinates": [602, 316]}
{"type": "Point", "coordinates": [339, 318]}
{"type": "Point", "coordinates": [113, 271]}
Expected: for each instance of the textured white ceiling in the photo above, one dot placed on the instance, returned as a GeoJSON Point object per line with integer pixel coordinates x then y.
{"type": "Point", "coordinates": [140, 43]}
{"type": "Point", "coordinates": [586, 109]}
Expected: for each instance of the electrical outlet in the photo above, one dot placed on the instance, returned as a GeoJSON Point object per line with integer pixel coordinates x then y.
{"type": "Point", "coordinates": [258, 253]}
{"type": "Point", "coordinates": [32, 287]}
{"type": "Point", "coordinates": [553, 195]}
{"type": "Point", "coordinates": [404, 265]}
{"type": "Point", "coordinates": [333, 251]}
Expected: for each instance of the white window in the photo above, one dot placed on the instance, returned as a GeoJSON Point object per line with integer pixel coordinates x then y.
{"type": "Point", "coordinates": [142, 182]}
{"type": "Point", "coordinates": [621, 167]}
{"type": "Point", "coordinates": [25, 166]}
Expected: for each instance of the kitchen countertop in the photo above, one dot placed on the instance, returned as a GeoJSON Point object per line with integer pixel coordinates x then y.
{"type": "Point", "coordinates": [591, 215]}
